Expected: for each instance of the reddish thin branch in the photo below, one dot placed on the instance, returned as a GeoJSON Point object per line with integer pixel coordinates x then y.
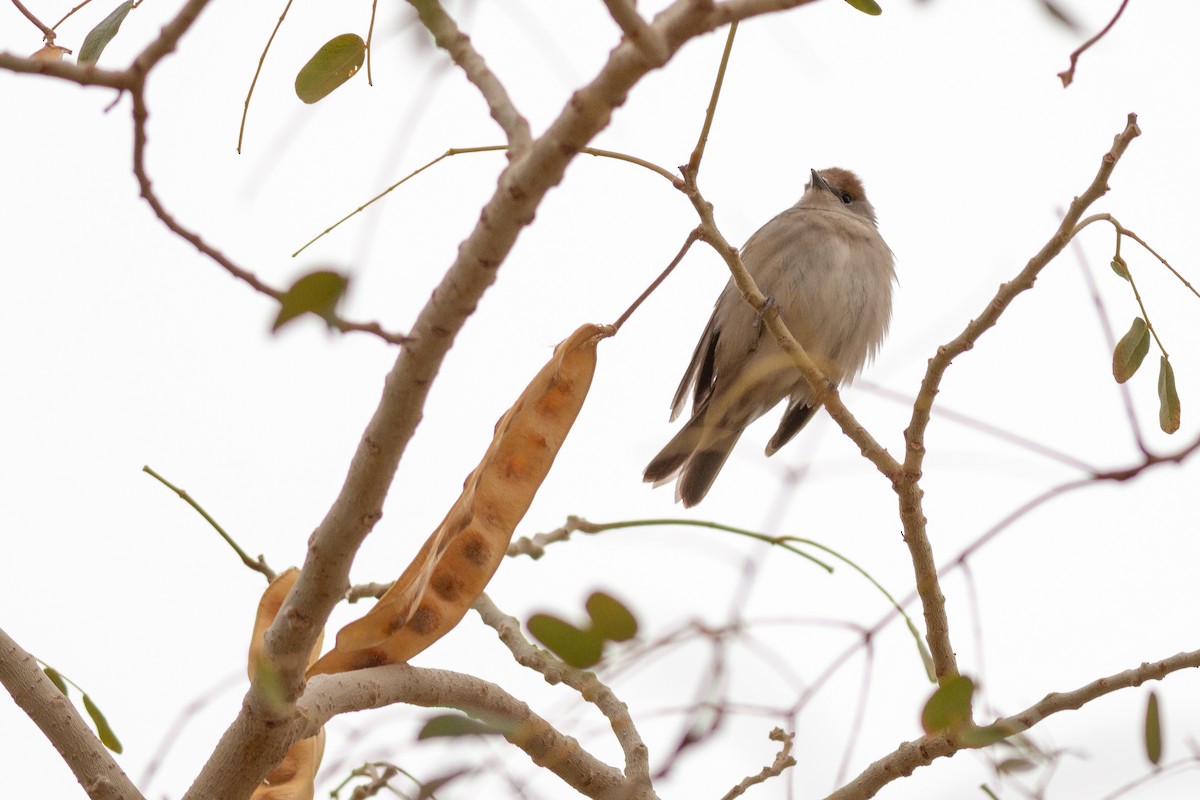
{"type": "Point", "coordinates": [1068, 74]}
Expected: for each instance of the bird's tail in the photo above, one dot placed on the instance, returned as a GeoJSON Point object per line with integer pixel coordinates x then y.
{"type": "Point", "coordinates": [696, 455]}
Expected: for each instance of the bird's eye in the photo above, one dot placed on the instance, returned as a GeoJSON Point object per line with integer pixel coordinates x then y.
{"type": "Point", "coordinates": [846, 198]}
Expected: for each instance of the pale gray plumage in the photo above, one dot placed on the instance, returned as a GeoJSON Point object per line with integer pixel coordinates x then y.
{"type": "Point", "coordinates": [830, 273]}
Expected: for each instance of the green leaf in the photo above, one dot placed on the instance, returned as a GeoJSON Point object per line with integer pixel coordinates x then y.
{"type": "Point", "coordinates": [581, 649]}
{"type": "Point", "coordinates": [103, 730]}
{"type": "Point", "coordinates": [1168, 397]}
{"type": "Point", "coordinates": [99, 36]}
{"type": "Point", "coordinates": [1129, 352]}
{"type": "Point", "coordinates": [315, 293]}
{"type": "Point", "coordinates": [56, 679]}
{"type": "Point", "coordinates": [455, 725]}
{"type": "Point", "coordinates": [270, 686]}
{"type": "Point", "coordinates": [985, 736]}
{"type": "Point", "coordinates": [1153, 730]}
{"type": "Point", "coordinates": [1120, 267]}
{"type": "Point", "coordinates": [335, 63]}
{"type": "Point", "coordinates": [949, 708]}
{"type": "Point", "coordinates": [610, 618]}
{"type": "Point", "coordinates": [867, 7]}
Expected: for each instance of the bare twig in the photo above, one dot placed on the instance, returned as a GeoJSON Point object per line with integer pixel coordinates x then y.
{"type": "Point", "coordinates": [258, 565]}
{"type": "Point", "coordinates": [70, 13]}
{"type": "Point", "coordinates": [370, 39]}
{"type": "Point", "coordinates": [589, 687]}
{"type": "Point", "coordinates": [1068, 74]}
{"type": "Point", "coordinates": [662, 276]}
{"type": "Point", "coordinates": [783, 760]}
{"type": "Point", "coordinates": [692, 169]}
{"type": "Point", "coordinates": [330, 695]}
{"type": "Point", "coordinates": [92, 764]}
{"type": "Point", "coordinates": [458, 45]}
{"type": "Point", "coordinates": [262, 58]}
{"type": "Point", "coordinates": [924, 751]}
{"type": "Point", "coordinates": [907, 483]}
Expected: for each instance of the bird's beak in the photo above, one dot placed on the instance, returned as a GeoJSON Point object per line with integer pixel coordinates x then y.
{"type": "Point", "coordinates": [818, 181]}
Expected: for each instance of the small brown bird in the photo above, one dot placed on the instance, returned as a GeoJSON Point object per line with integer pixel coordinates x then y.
{"type": "Point", "coordinates": [830, 273]}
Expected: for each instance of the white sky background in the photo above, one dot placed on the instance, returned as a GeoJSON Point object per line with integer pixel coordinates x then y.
{"type": "Point", "coordinates": [122, 347]}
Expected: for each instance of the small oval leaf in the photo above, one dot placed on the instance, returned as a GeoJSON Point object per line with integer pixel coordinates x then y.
{"type": "Point", "coordinates": [455, 725]}
{"type": "Point", "coordinates": [1131, 350]}
{"type": "Point", "coordinates": [610, 618]}
{"type": "Point", "coordinates": [56, 679]}
{"type": "Point", "coordinates": [580, 649]}
{"type": "Point", "coordinates": [867, 7]}
{"type": "Point", "coordinates": [949, 707]}
{"type": "Point", "coordinates": [1011, 766]}
{"type": "Point", "coordinates": [315, 293]}
{"type": "Point", "coordinates": [99, 36]}
{"type": "Point", "coordinates": [1168, 397]}
{"type": "Point", "coordinates": [335, 63]}
{"type": "Point", "coordinates": [1153, 736]}
{"type": "Point", "coordinates": [1120, 267]}
{"type": "Point", "coordinates": [103, 730]}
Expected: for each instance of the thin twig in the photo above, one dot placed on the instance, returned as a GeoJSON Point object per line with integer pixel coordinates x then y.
{"type": "Point", "coordinates": [924, 751]}
{"type": "Point", "coordinates": [783, 760]}
{"type": "Point", "coordinates": [1110, 340]}
{"type": "Point", "coordinates": [370, 38]}
{"type": "Point", "coordinates": [692, 169]}
{"type": "Point", "coordinates": [47, 32]}
{"type": "Point", "coordinates": [907, 482]}
{"type": "Point", "coordinates": [258, 565]}
{"type": "Point", "coordinates": [1068, 75]}
{"type": "Point", "coordinates": [687, 244]}
{"type": "Point", "coordinates": [493, 148]}
{"type": "Point", "coordinates": [69, 13]}
{"type": "Point", "coordinates": [262, 58]}
{"type": "Point", "coordinates": [589, 687]}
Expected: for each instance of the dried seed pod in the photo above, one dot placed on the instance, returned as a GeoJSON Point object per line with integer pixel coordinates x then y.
{"type": "Point", "coordinates": [459, 559]}
{"type": "Point", "coordinates": [292, 778]}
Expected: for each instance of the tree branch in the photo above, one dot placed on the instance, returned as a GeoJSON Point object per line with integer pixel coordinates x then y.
{"type": "Point", "coordinates": [589, 687]}
{"type": "Point", "coordinates": [330, 695]}
{"type": "Point", "coordinates": [924, 751]}
{"type": "Point", "coordinates": [933, 602]}
{"type": "Point", "coordinates": [458, 45]}
{"type": "Point", "coordinates": [625, 14]}
{"type": "Point", "coordinates": [47, 31]}
{"type": "Point", "coordinates": [92, 764]}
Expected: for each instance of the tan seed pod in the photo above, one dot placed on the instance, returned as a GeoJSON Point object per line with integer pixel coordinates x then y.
{"type": "Point", "coordinates": [293, 778]}
{"type": "Point", "coordinates": [463, 553]}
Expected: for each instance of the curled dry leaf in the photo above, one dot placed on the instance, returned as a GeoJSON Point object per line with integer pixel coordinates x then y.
{"type": "Point", "coordinates": [293, 778]}
{"type": "Point", "coordinates": [459, 559]}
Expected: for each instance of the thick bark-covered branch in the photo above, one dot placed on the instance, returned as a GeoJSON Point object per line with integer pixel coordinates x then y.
{"type": "Point", "coordinates": [94, 767]}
